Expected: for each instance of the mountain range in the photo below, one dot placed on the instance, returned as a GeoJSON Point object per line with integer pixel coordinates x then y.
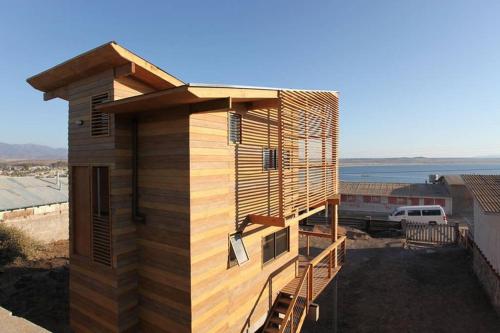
{"type": "Point", "coordinates": [31, 152]}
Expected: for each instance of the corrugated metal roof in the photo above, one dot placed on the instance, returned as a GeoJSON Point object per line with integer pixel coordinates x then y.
{"type": "Point", "coordinates": [394, 189]}
{"type": "Point", "coordinates": [486, 190]}
{"type": "Point", "coordinates": [22, 192]}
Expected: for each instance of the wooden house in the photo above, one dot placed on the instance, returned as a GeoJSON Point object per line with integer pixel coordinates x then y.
{"type": "Point", "coordinates": [185, 199]}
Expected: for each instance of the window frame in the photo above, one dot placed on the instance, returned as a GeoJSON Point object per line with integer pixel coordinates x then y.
{"type": "Point", "coordinates": [276, 256]}
{"type": "Point", "coordinates": [232, 262]}
{"type": "Point", "coordinates": [273, 159]}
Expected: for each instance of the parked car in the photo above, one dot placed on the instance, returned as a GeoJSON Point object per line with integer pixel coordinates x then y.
{"type": "Point", "coordinates": [419, 214]}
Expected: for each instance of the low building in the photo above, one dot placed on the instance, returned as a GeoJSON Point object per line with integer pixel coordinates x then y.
{"type": "Point", "coordinates": [37, 206]}
{"type": "Point", "coordinates": [486, 193]}
{"type": "Point", "coordinates": [462, 201]}
{"type": "Point", "coordinates": [383, 198]}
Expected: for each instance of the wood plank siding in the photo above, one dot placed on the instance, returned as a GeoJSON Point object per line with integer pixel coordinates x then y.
{"type": "Point", "coordinates": [170, 269]}
{"type": "Point", "coordinates": [230, 299]}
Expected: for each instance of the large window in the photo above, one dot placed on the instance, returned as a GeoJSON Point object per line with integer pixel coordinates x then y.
{"type": "Point", "coordinates": [275, 244]}
{"type": "Point", "coordinates": [234, 128]}
{"type": "Point", "coordinates": [270, 159]}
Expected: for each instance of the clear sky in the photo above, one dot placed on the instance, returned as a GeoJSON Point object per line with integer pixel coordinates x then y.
{"type": "Point", "coordinates": [417, 78]}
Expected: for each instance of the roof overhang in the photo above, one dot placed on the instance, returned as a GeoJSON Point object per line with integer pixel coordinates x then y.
{"type": "Point", "coordinates": [213, 98]}
{"type": "Point", "coordinates": [109, 55]}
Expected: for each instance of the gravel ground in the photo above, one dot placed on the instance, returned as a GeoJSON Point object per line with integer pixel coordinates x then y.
{"type": "Point", "coordinates": [386, 286]}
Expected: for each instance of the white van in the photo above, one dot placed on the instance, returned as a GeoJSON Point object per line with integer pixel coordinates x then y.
{"type": "Point", "coordinates": [419, 214]}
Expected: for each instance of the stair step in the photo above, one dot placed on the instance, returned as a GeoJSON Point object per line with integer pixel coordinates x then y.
{"type": "Point", "coordinates": [285, 300]}
{"type": "Point", "coordinates": [271, 330]}
{"type": "Point", "coordinates": [276, 320]}
{"type": "Point", "coordinates": [281, 309]}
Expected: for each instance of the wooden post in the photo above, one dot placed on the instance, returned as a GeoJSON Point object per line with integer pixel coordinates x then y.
{"type": "Point", "coordinates": [334, 223]}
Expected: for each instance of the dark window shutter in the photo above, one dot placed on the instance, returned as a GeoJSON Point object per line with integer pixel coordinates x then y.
{"type": "Point", "coordinates": [234, 128]}
{"type": "Point", "coordinates": [99, 121]}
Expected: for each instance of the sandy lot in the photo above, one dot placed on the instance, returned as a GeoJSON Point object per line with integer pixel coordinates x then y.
{"type": "Point", "coordinates": [37, 289]}
{"type": "Point", "coordinates": [386, 286]}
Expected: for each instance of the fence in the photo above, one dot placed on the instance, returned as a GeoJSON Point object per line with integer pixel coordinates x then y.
{"type": "Point", "coordinates": [369, 224]}
{"type": "Point", "coordinates": [439, 233]}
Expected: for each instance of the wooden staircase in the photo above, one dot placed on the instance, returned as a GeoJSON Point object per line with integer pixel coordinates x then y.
{"type": "Point", "coordinates": [278, 312]}
{"type": "Point", "coordinates": [291, 305]}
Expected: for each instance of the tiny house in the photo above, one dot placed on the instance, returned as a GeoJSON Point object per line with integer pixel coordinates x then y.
{"type": "Point", "coordinates": [185, 199]}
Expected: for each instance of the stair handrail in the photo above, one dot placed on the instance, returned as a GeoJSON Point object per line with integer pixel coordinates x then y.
{"type": "Point", "coordinates": [295, 296]}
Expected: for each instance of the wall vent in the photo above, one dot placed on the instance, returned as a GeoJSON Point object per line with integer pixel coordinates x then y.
{"type": "Point", "coordinates": [99, 121]}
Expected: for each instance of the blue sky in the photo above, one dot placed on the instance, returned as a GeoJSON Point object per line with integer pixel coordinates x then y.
{"type": "Point", "coordinates": [417, 78]}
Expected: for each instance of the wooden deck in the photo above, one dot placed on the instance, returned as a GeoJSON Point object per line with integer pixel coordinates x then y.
{"type": "Point", "coordinates": [320, 277]}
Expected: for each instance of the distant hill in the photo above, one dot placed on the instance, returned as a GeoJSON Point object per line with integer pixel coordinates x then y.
{"type": "Point", "coordinates": [31, 152]}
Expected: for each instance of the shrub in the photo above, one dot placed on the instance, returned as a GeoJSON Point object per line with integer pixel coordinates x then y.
{"type": "Point", "coordinates": [16, 244]}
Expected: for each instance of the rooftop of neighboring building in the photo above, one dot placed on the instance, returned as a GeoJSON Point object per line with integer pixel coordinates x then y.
{"type": "Point", "coordinates": [486, 190]}
{"type": "Point", "coordinates": [24, 192]}
{"type": "Point", "coordinates": [394, 189]}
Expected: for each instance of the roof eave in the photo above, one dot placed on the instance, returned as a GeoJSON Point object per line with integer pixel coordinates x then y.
{"type": "Point", "coordinates": [108, 55]}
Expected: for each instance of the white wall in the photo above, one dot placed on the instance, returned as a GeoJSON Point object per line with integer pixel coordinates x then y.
{"type": "Point", "coordinates": [487, 235]}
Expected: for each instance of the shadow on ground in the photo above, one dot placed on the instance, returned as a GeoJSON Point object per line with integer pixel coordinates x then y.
{"type": "Point", "coordinates": [386, 286]}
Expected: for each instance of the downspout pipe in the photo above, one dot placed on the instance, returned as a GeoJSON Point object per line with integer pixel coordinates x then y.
{"type": "Point", "coordinates": [136, 216]}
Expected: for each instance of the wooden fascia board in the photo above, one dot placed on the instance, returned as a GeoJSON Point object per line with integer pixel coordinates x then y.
{"type": "Point", "coordinates": [175, 82]}
{"type": "Point", "coordinates": [266, 220]}
{"type": "Point", "coordinates": [237, 94]}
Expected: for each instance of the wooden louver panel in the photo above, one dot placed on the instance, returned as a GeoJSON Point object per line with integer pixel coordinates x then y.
{"type": "Point", "coordinates": [309, 131]}
{"type": "Point", "coordinates": [100, 121]}
{"type": "Point", "coordinates": [101, 241]}
{"type": "Point", "coordinates": [234, 128]}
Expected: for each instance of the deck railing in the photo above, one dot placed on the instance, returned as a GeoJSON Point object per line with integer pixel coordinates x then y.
{"type": "Point", "coordinates": [330, 258]}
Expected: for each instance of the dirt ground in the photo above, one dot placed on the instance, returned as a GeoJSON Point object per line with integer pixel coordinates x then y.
{"type": "Point", "coordinates": [387, 286]}
{"type": "Point", "coordinates": [37, 289]}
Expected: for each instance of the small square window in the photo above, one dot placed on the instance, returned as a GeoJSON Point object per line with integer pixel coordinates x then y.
{"type": "Point", "coordinates": [275, 244]}
{"type": "Point", "coordinates": [270, 159]}
{"type": "Point", "coordinates": [234, 128]}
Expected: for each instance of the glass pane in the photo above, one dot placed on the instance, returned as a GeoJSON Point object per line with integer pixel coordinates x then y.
{"type": "Point", "coordinates": [281, 241]}
{"type": "Point", "coordinates": [238, 248]}
{"type": "Point", "coordinates": [268, 248]}
{"type": "Point", "coordinates": [414, 213]}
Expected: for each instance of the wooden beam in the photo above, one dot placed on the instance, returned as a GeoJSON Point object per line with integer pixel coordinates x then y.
{"type": "Point", "coordinates": [124, 70]}
{"type": "Point", "coordinates": [222, 104]}
{"type": "Point", "coordinates": [56, 93]}
{"type": "Point", "coordinates": [271, 103]}
{"type": "Point", "coordinates": [267, 220]}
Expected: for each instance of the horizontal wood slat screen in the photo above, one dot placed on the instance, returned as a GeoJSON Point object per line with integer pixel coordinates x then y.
{"type": "Point", "coordinates": [100, 121]}
{"type": "Point", "coordinates": [308, 122]}
{"type": "Point", "coordinates": [304, 131]}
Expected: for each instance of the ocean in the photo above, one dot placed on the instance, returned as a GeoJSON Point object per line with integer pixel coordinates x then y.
{"type": "Point", "coordinates": [412, 173]}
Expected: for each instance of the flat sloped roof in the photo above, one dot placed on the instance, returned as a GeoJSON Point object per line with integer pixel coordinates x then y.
{"type": "Point", "coordinates": [486, 190]}
{"type": "Point", "coordinates": [394, 189]}
{"type": "Point", "coordinates": [24, 192]}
